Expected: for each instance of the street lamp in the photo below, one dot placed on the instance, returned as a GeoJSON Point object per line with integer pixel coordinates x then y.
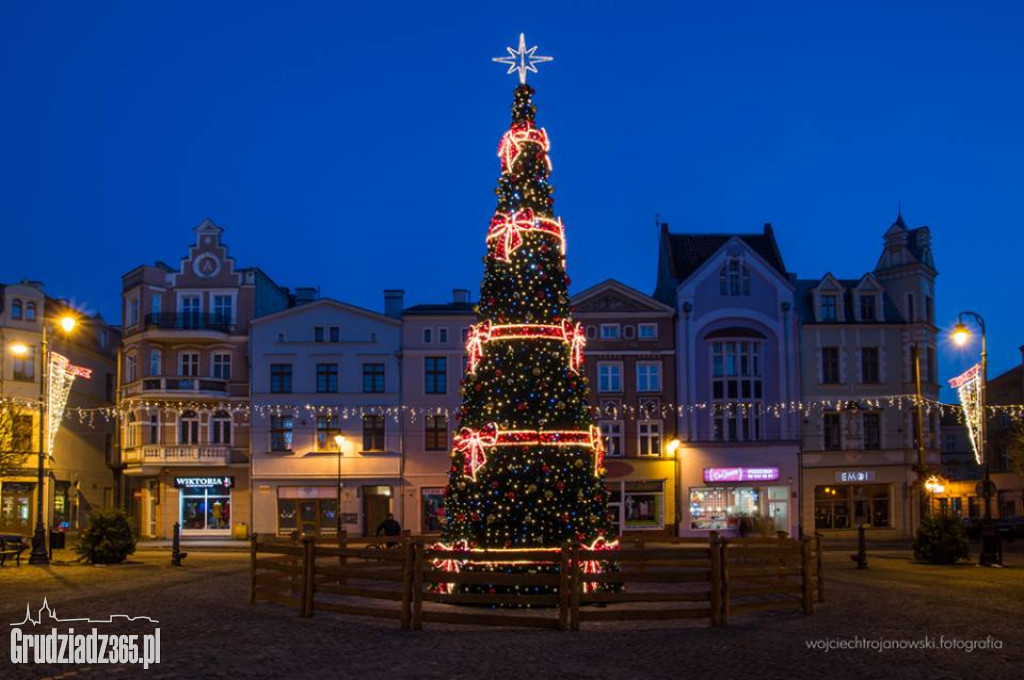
{"type": "Point", "coordinates": [989, 537]}
{"type": "Point", "coordinates": [672, 450]}
{"type": "Point", "coordinates": [67, 324]}
{"type": "Point", "coordinates": [339, 439]}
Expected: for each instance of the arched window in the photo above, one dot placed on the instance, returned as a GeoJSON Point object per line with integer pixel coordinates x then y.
{"type": "Point", "coordinates": [30, 311]}
{"type": "Point", "coordinates": [188, 428]}
{"type": "Point", "coordinates": [734, 278]}
{"type": "Point", "coordinates": [220, 428]}
{"type": "Point", "coordinates": [16, 309]}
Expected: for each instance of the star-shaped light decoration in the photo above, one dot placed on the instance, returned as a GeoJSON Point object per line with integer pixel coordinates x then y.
{"type": "Point", "coordinates": [522, 60]}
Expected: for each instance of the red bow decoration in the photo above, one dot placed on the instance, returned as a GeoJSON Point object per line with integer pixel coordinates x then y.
{"type": "Point", "coordinates": [450, 565]}
{"type": "Point", "coordinates": [576, 339]}
{"type": "Point", "coordinates": [473, 445]}
{"type": "Point", "coordinates": [508, 228]}
{"type": "Point", "coordinates": [478, 335]}
{"type": "Point", "coordinates": [511, 146]}
{"type": "Point", "coordinates": [597, 441]}
{"type": "Point", "coordinates": [594, 566]}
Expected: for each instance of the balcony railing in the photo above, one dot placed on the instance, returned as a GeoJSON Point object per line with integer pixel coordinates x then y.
{"type": "Point", "coordinates": [185, 384]}
{"type": "Point", "coordinates": [156, 454]}
{"type": "Point", "coordinates": [189, 321]}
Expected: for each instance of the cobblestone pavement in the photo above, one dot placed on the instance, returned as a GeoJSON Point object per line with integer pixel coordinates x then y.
{"type": "Point", "coordinates": [208, 630]}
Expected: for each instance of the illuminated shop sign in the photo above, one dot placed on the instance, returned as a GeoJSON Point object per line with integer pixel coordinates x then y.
{"type": "Point", "coordinates": [204, 482]}
{"type": "Point", "coordinates": [741, 474]}
{"type": "Point", "coordinates": [854, 476]}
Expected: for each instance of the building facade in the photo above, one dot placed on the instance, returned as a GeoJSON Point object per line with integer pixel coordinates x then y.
{"type": "Point", "coordinates": [433, 364]}
{"type": "Point", "coordinates": [1005, 442]}
{"type": "Point", "coordinates": [737, 360]}
{"type": "Point", "coordinates": [322, 370]}
{"type": "Point", "coordinates": [631, 368]}
{"type": "Point", "coordinates": [860, 342]}
{"type": "Point", "coordinates": [78, 473]}
{"type": "Point", "coordinates": [184, 389]}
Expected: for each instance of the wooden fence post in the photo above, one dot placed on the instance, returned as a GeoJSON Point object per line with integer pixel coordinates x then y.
{"type": "Point", "coordinates": [725, 582]}
{"type": "Point", "coordinates": [252, 569]}
{"type": "Point", "coordinates": [716, 581]}
{"type": "Point", "coordinates": [417, 586]}
{"type": "Point", "coordinates": [563, 587]}
{"type": "Point", "coordinates": [407, 548]}
{"type": "Point", "coordinates": [342, 559]}
{"type": "Point", "coordinates": [308, 573]}
{"type": "Point", "coordinates": [576, 585]}
{"type": "Point", "coordinates": [820, 574]}
{"type": "Point", "coordinates": [806, 575]}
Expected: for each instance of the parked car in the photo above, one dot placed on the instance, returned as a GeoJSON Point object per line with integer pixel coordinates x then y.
{"type": "Point", "coordinates": [1016, 526]}
{"type": "Point", "coordinates": [973, 525]}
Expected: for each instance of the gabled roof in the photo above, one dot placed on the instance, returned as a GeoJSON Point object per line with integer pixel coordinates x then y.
{"type": "Point", "coordinates": [689, 251]}
{"type": "Point", "coordinates": [805, 301]}
{"type": "Point", "coordinates": [325, 302]}
{"type": "Point", "coordinates": [440, 310]}
{"type": "Point", "coordinates": [641, 300]}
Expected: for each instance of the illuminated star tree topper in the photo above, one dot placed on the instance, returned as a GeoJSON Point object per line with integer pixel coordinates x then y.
{"type": "Point", "coordinates": [522, 60]}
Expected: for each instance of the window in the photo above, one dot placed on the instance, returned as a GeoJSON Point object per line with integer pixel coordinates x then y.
{"type": "Point", "coordinates": [867, 307]}
{"type": "Point", "coordinates": [190, 305]}
{"type": "Point", "coordinates": [220, 428]}
{"type": "Point", "coordinates": [869, 374]}
{"type": "Point", "coordinates": [436, 433]}
{"type": "Point", "coordinates": [832, 429]}
{"type": "Point", "coordinates": [950, 443]}
{"type": "Point", "coordinates": [910, 307]}
{"type": "Point", "coordinates": [188, 363]}
{"type": "Point", "coordinates": [734, 278]}
{"type": "Point", "coordinates": [427, 335]}
{"type": "Point", "coordinates": [609, 331]}
{"type": "Point", "coordinates": [638, 505]}
{"type": "Point", "coordinates": [609, 377]}
{"type": "Point", "coordinates": [848, 506]}
{"type": "Point", "coordinates": [318, 334]}
{"type": "Point", "coordinates": [222, 366]}
{"type": "Point", "coordinates": [591, 332]}
{"type": "Point", "coordinates": [737, 390]}
{"type": "Point", "coordinates": [156, 361]}
{"type": "Point", "coordinates": [648, 376]}
{"type": "Point", "coordinates": [188, 428]}
{"type": "Point", "coordinates": [16, 309]}
{"type": "Point", "coordinates": [326, 431]}
{"type": "Point", "coordinates": [649, 433]}
{"type": "Point", "coordinates": [327, 377]}
{"type": "Point", "coordinates": [280, 378]}
{"type": "Point", "coordinates": [154, 428]}
{"type": "Point", "coordinates": [133, 312]}
{"type": "Point", "coordinates": [131, 368]}
{"type": "Point", "coordinates": [373, 377]}
{"type": "Point", "coordinates": [611, 430]}
{"type": "Point", "coordinates": [25, 364]}
{"type": "Point", "coordinates": [828, 308]}
{"type": "Point", "coordinates": [872, 430]}
{"type": "Point", "coordinates": [280, 433]}
{"type": "Point", "coordinates": [223, 309]}
{"type": "Point", "coordinates": [432, 505]}
{"type": "Point", "coordinates": [436, 369]}
{"type": "Point", "coordinates": [830, 366]}
{"type": "Point", "coordinates": [647, 331]}
{"type": "Point", "coordinates": [335, 334]}
{"type": "Point", "coordinates": [442, 335]}
{"type": "Point", "coordinates": [929, 365]}
{"type": "Point", "coordinates": [30, 311]}
{"type": "Point", "coordinates": [629, 331]}
{"type": "Point", "coordinates": [104, 338]}
{"type": "Point", "coordinates": [929, 309]}
{"type": "Point", "coordinates": [131, 432]}
{"type": "Point", "coordinates": [21, 433]}
{"type": "Point", "coordinates": [373, 433]}
{"type": "Point", "coordinates": [158, 303]}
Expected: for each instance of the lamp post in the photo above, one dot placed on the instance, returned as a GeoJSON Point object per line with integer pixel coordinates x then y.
{"type": "Point", "coordinates": [989, 537]}
{"type": "Point", "coordinates": [39, 554]}
{"type": "Point", "coordinates": [672, 449]}
{"type": "Point", "coordinates": [339, 439]}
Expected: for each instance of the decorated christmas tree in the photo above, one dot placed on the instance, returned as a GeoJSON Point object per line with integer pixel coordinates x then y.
{"type": "Point", "coordinates": [526, 469]}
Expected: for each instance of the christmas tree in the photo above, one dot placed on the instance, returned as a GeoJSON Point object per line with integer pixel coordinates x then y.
{"type": "Point", "coordinates": [526, 470]}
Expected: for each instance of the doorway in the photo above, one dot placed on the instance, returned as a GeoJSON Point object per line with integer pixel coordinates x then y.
{"type": "Point", "coordinates": [376, 506]}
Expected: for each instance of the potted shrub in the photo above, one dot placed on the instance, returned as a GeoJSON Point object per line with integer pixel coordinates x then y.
{"type": "Point", "coordinates": [107, 538]}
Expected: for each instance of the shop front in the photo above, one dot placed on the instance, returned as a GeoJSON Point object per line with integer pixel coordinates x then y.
{"type": "Point", "coordinates": [844, 499]}
{"type": "Point", "coordinates": [311, 507]}
{"type": "Point", "coordinates": [204, 505]}
{"type": "Point", "coordinates": [17, 500]}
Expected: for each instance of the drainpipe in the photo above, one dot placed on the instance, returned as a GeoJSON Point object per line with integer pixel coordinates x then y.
{"type": "Point", "coordinates": [786, 307]}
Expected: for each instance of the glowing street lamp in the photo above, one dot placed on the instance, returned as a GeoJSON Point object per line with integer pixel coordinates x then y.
{"type": "Point", "coordinates": [961, 335]}
{"type": "Point", "coordinates": [672, 451]}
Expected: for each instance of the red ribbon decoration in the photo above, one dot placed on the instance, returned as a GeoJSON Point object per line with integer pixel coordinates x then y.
{"type": "Point", "coordinates": [594, 566]}
{"type": "Point", "coordinates": [450, 565]}
{"type": "Point", "coordinates": [577, 340]}
{"type": "Point", "coordinates": [597, 441]}
{"type": "Point", "coordinates": [478, 335]}
{"type": "Point", "coordinates": [511, 146]}
{"type": "Point", "coordinates": [509, 228]}
{"type": "Point", "coordinates": [473, 445]}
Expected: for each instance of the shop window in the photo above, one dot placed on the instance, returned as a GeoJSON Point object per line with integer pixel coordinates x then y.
{"type": "Point", "coordinates": [206, 507]}
{"type": "Point", "coordinates": [643, 505]}
{"type": "Point", "coordinates": [846, 506]}
{"type": "Point", "coordinates": [311, 516]}
{"type": "Point", "coordinates": [432, 509]}
{"type": "Point", "coordinates": [16, 507]}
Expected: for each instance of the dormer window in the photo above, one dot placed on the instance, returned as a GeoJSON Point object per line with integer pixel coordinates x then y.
{"type": "Point", "coordinates": [734, 278]}
{"type": "Point", "coordinates": [828, 307]}
{"type": "Point", "coordinates": [868, 308]}
{"type": "Point", "coordinates": [16, 309]}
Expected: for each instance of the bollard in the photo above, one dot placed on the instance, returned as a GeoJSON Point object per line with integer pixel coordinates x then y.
{"type": "Point", "coordinates": [176, 555]}
{"type": "Point", "coordinates": [861, 558]}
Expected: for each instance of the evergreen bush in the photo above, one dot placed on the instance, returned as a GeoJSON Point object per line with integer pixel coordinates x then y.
{"type": "Point", "coordinates": [107, 538]}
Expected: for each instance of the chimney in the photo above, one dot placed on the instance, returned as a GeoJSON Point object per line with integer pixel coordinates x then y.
{"type": "Point", "coordinates": [306, 294]}
{"type": "Point", "coordinates": [394, 301]}
{"type": "Point", "coordinates": [460, 296]}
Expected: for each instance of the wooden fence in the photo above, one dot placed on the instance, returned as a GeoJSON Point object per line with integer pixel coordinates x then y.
{"type": "Point", "coordinates": [409, 580]}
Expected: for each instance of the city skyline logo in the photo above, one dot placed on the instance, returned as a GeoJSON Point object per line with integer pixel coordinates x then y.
{"type": "Point", "coordinates": [52, 615]}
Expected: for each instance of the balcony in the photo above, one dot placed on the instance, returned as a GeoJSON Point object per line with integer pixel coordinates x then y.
{"type": "Point", "coordinates": [176, 455]}
{"type": "Point", "coordinates": [191, 386]}
{"type": "Point", "coordinates": [178, 325]}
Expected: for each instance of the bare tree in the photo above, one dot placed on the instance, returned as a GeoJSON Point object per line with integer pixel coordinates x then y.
{"type": "Point", "coordinates": [15, 439]}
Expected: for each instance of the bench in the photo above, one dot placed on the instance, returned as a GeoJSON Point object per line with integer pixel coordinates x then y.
{"type": "Point", "coordinates": [12, 546]}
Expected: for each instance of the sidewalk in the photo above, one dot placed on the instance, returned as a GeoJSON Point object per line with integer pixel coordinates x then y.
{"type": "Point", "coordinates": [194, 544]}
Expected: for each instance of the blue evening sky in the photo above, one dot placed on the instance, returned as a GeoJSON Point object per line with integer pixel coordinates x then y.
{"type": "Point", "coordinates": [352, 145]}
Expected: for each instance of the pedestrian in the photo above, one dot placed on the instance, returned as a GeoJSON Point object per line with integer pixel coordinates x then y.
{"type": "Point", "coordinates": [389, 527]}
